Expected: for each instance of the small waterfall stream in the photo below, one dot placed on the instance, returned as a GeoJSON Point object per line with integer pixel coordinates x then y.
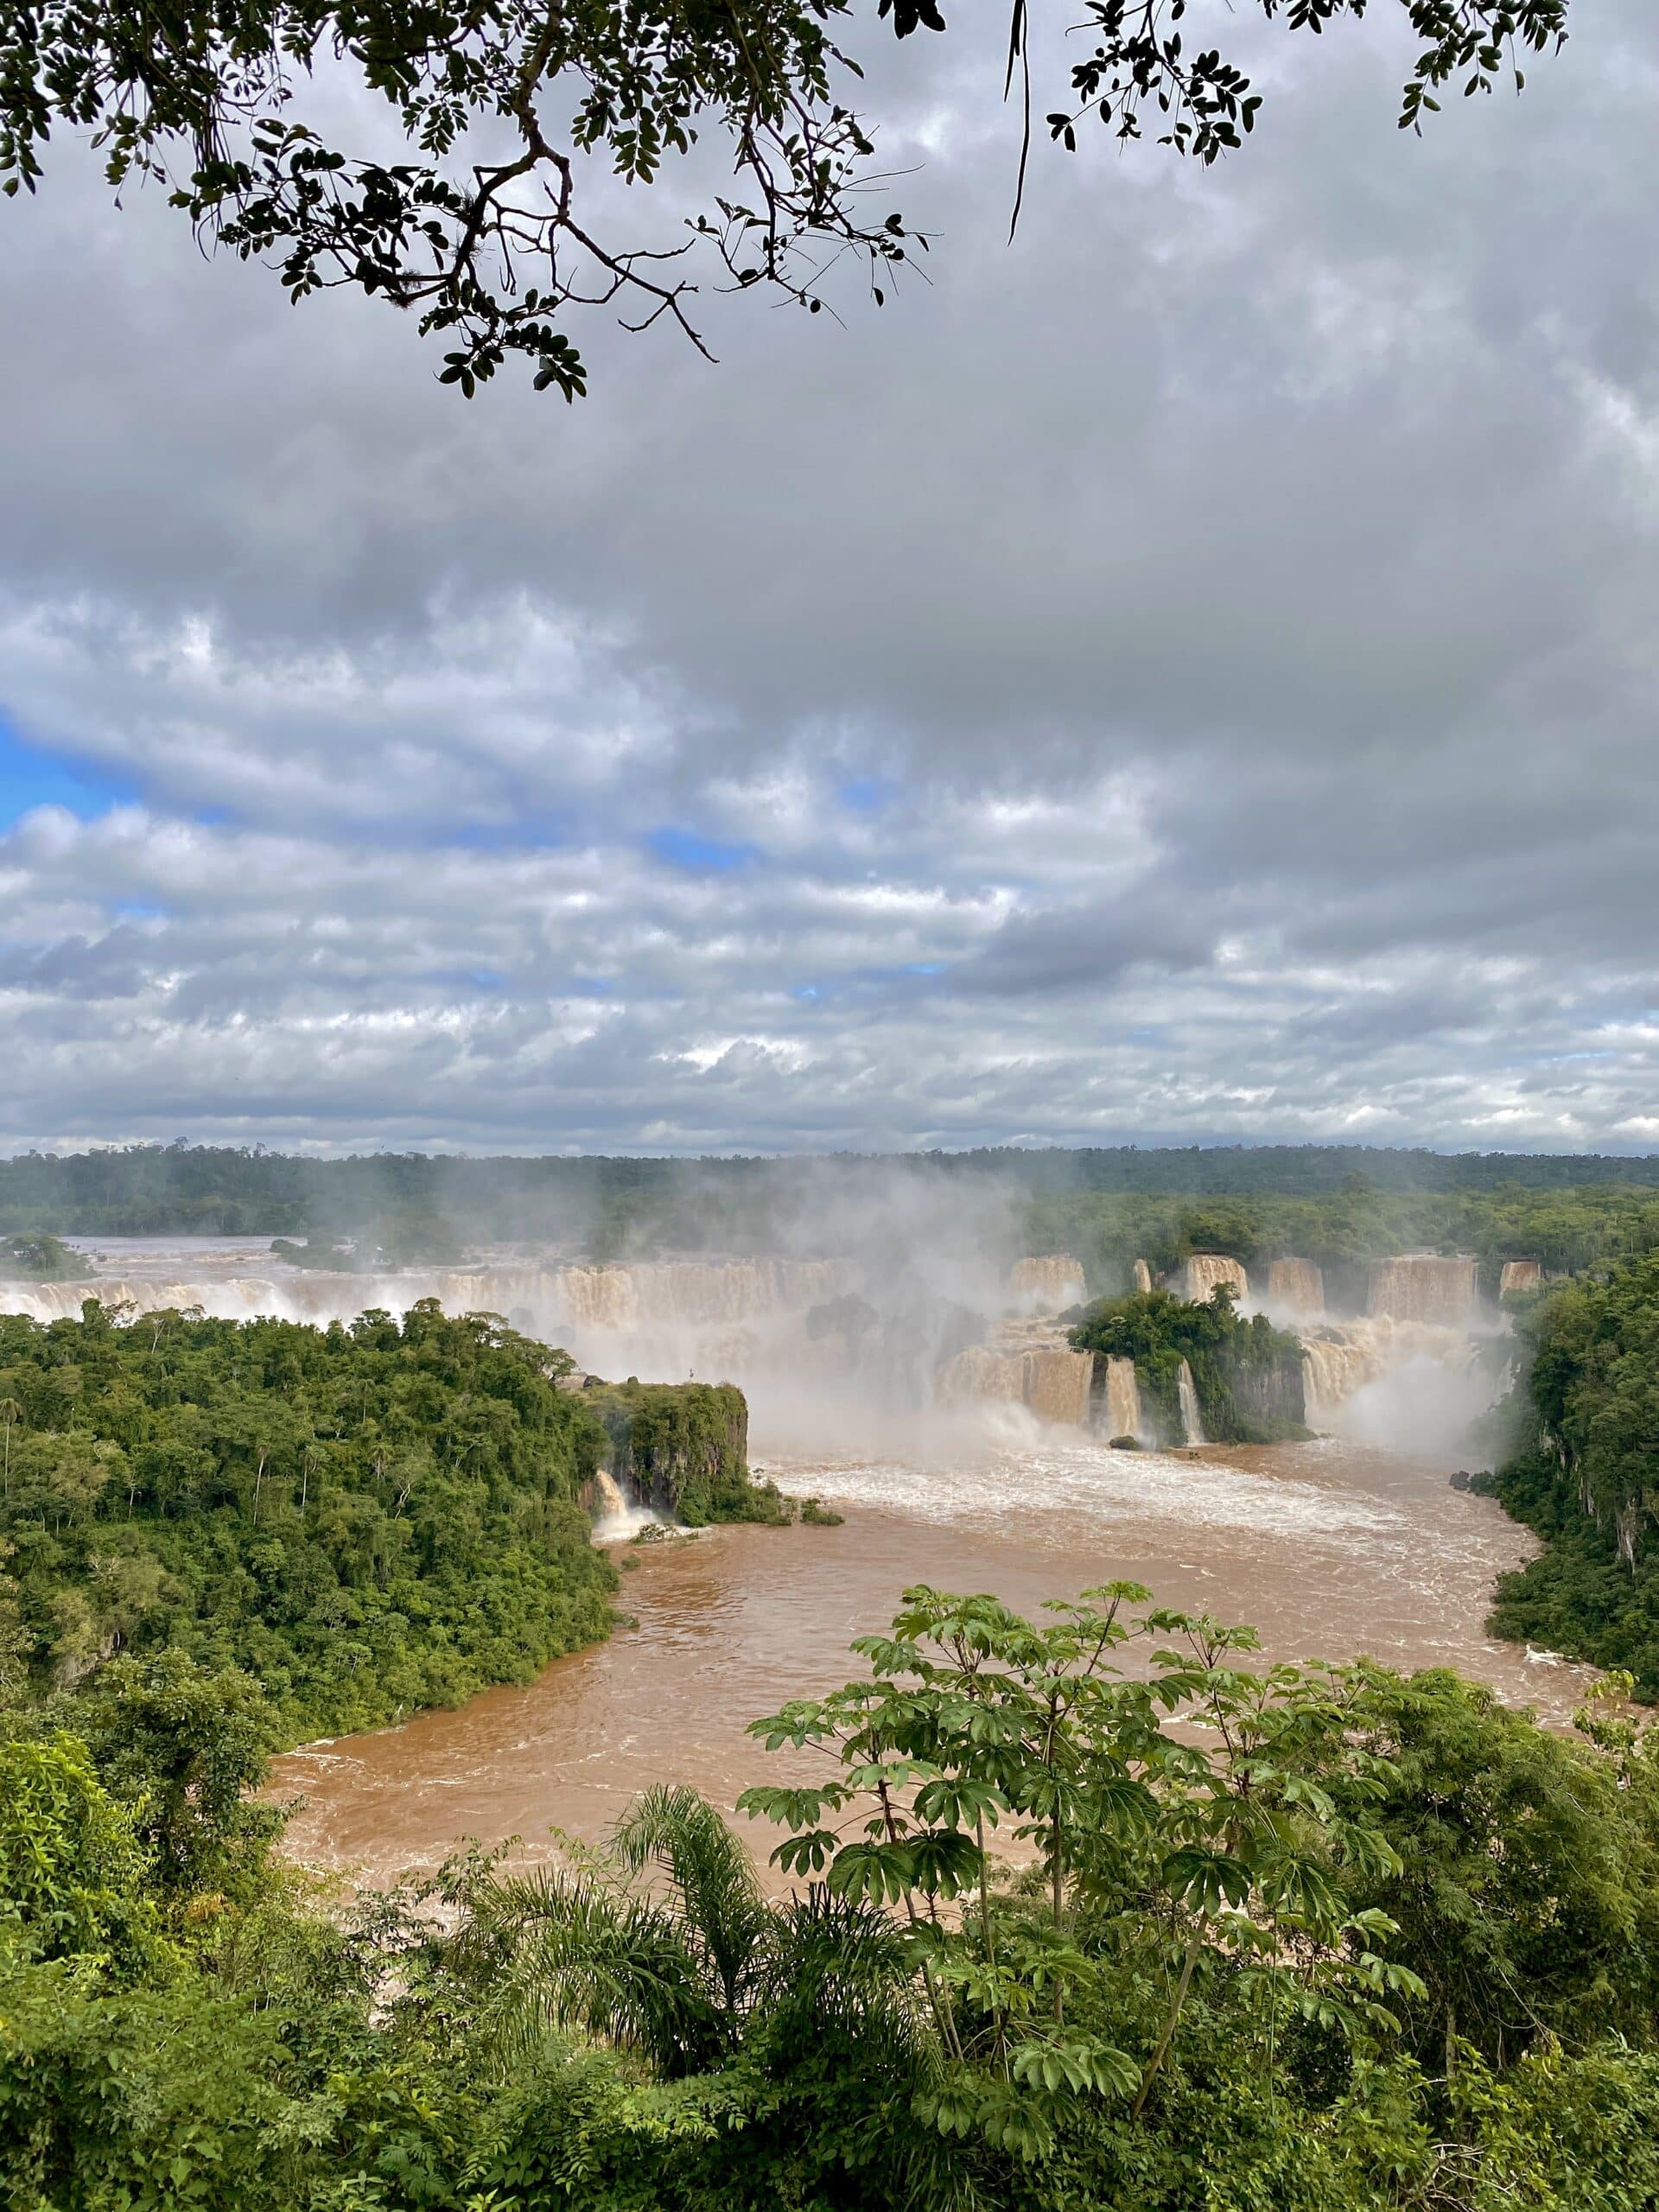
{"type": "Point", "coordinates": [1122, 1399]}
{"type": "Point", "coordinates": [1192, 1425]}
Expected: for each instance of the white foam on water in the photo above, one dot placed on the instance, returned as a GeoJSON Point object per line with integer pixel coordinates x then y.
{"type": "Point", "coordinates": [1037, 1477]}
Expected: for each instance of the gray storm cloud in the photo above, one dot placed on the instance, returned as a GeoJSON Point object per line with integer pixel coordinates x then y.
{"type": "Point", "coordinates": [1188, 674]}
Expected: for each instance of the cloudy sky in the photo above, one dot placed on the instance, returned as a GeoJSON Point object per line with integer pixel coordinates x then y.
{"type": "Point", "coordinates": [1188, 675]}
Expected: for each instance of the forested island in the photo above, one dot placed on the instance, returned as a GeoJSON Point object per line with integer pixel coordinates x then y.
{"type": "Point", "coordinates": [368, 1518]}
{"type": "Point", "coordinates": [1245, 1373]}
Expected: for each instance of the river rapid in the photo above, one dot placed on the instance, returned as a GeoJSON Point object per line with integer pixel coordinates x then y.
{"type": "Point", "coordinates": [1329, 1549]}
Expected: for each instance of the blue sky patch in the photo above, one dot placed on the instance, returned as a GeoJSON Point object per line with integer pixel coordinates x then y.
{"type": "Point", "coordinates": [699, 855]}
{"type": "Point", "coordinates": [867, 794]}
{"type": "Point", "coordinates": [31, 777]}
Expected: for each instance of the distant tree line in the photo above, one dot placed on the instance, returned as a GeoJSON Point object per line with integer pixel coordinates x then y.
{"type": "Point", "coordinates": [1325, 1202]}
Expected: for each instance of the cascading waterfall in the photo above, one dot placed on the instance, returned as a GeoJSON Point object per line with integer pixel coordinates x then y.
{"type": "Point", "coordinates": [979, 1374]}
{"type": "Point", "coordinates": [1422, 1287]}
{"type": "Point", "coordinates": [1143, 1276]}
{"type": "Point", "coordinates": [1057, 1385]}
{"type": "Point", "coordinates": [610, 1298]}
{"type": "Point", "coordinates": [612, 1503]}
{"type": "Point", "coordinates": [1519, 1275]}
{"type": "Point", "coordinates": [1186, 1391]}
{"type": "Point", "coordinates": [620, 1298]}
{"type": "Point", "coordinates": [1296, 1285]}
{"type": "Point", "coordinates": [1341, 1358]}
{"type": "Point", "coordinates": [1055, 1382]}
{"type": "Point", "coordinates": [1048, 1284]}
{"type": "Point", "coordinates": [1122, 1406]}
{"type": "Point", "coordinates": [1205, 1270]}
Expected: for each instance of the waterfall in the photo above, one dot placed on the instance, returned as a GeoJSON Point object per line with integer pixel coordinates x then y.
{"type": "Point", "coordinates": [553, 1302]}
{"type": "Point", "coordinates": [1122, 1399]}
{"type": "Point", "coordinates": [980, 1373]}
{"type": "Point", "coordinates": [1204, 1270]}
{"type": "Point", "coordinates": [1422, 1287]}
{"type": "Point", "coordinates": [1519, 1275]}
{"type": "Point", "coordinates": [1057, 1385]}
{"type": "Point", "coordinates": [1340, 1358]}
{"type": "Point", "coordinates": [694, 1292]}
{"type": "Point", "coordinates": [1192, 1426]}
{"type": "Point", "coordinates": [613, 1505]}
{"type": "Point", "coordinates": [1048, 1284]}
{"type": "Point", "coordinates": [1298, 1284]}
{"type": "Point", "coordinates": [1143, 1277]}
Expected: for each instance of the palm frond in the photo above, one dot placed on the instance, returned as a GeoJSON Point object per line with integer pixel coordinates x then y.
{"type": "Point", "coordinates": [714, 1892]}
{"type": "Point", "coordinates": [581, 1953]}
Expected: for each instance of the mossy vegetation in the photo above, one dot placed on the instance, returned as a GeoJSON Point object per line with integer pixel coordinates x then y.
{"type": "Point", "coordinates": [683, 1447]}
{"type": "Point", "coordinates": [1248, 1375]}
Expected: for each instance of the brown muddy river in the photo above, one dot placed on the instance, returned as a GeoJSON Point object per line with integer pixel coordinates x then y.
{"type": "Point", "coordinates": [1328, 1549]}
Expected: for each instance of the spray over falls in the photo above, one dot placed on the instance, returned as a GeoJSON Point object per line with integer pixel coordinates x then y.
{"type": "Point", "coordinates": [1048, 1284]}
{"type": "Point", "coordinates": [835, 1340]}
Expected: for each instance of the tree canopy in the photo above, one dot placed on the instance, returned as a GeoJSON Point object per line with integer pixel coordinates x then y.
{"type": "Point", "coordinates": [1089, 1908]}
{"type": "Point", "coordinates": [466, 189]}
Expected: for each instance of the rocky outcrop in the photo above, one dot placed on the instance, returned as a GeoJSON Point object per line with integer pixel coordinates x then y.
{"type": "Point", "coordinates": [1269, 1397]}
{"type": "Point", "coordinates": [683, 1449]}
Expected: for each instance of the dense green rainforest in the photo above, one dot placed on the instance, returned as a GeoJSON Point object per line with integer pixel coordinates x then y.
{"type": "Point", "coordinates": [1582, 1469]}
{"type": "Point", "coordinates": [1300, 1939]}
{"type": "Point", "coordinates": [369, 1519]}
{"type": "Point", "coordinates": [1311, 1940]}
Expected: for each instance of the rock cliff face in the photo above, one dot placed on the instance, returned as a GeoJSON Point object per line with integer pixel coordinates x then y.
{"type": "Point", "coordinates": [682, 1448]}
{"type": "Point", "coordinates": [1270, 1396]}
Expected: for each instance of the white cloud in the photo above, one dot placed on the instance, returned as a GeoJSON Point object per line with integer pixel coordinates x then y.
{"type": "Point", "coordinates": [1189, 674]}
